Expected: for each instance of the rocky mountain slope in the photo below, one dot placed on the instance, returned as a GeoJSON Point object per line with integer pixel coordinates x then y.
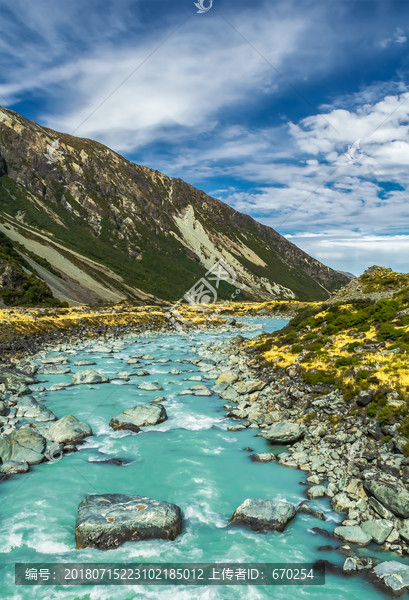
{"type": "Point", "coordinates": [94, 226]}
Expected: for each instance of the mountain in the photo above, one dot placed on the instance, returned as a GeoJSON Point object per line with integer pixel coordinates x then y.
{"type": "Point", "coordinates": [95, 227]}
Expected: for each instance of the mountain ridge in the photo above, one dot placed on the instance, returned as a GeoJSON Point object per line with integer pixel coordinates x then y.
{"type": "Point", "coordinates": [114, 230]}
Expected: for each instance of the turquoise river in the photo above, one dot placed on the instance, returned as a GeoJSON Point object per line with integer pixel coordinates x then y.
{"type": "Point", "coordinates": [191, 460]}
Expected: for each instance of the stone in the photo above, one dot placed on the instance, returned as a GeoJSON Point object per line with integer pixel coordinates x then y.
{"type": "Point", "coordinates": [23, 445]}
{"type": "Point", "coordinates": [352, 535]}
{"type": "Point", "coordinates": [106, 521]}
{"type": "Point", "coordinates": [227, 377]}
{"type": "Point", "coordinates": [29, 408]}
{"type": "Point", "coordinates": [158, 400]}
{"type": "Point", "coordinates": [355, 564]}
{"type": "Point", "coordinates": [378, 529]}
{"type": "Point", "coordinates": [139, 416]}
{"type": "Point", "coordinates": [16, 381]}
{"type": "Point", "coordinates": [11, 467]}
{"type": "Point", "coordinates": [150, 386]}
{"type": "Point", "coordinates": [284, 432]}
{"type": "Point", "coordinates": [307, 510]}
{"type": "Point", "coordinates": [84, 363]}
{"type": "Point", "coordinates": [68, 429]}
{"type": "Point", "coordinates": [390, 492]}
{"type": "Point", "coordinates": [316, 491]}
{"type": "Point", "coordinates": [380, 509]}
{"type": "Point", "coordinates": [89, 376]}
{"type": "Point", "coordinates": [393, 575]}
{"type": "Point", "coordinates": [142, 373]}
{"type": "Point", "coordinates": [264, 514]}
{"type": "Point", "coordinates": [263, 457]}
{"type": "Point", "coordinates": [247, 387]}
{"type": "Point", "coordinates": [365, 397]}
{"type": "Point", "coordinates": [341, 502]}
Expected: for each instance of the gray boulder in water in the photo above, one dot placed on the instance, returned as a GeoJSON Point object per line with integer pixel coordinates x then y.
{"type": "Point", "coordinates": [68, 429]}
{"type": "Point", "coordinates": [89, 376]}
{"type": "Point", "coordinates": [138, 416]}
{"type": "Point", "coordinates": [263, 513]}
{"type": "Point", "coordinates": [150, 386]}
{"type": "Point", "coordinates": [23, 445]}
{"type": "Point", "coordinates": [106, 521]}
{"type": "Point", "coordinates": [393, 575]}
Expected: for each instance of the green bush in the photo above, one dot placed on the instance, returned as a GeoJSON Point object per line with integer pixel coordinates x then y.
{"type": "Point", "coordinates": [390, 332]}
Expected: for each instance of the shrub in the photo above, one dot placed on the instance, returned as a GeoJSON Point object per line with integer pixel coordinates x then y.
{"type": "Point", "coordinates": [390, 332]}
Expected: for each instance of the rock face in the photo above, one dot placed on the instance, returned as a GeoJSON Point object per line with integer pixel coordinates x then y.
{"type": "Point", "coordinates": [68, 429]}
{"type": "Point", "coordinates": [352, 534]}
{"type": "Point", "coordinates": [89, 376]}
{"type": "Point", "coordinates": [390, 492]}
{"type": "Point", "coordinates": [129, 211]}
{"type": "Point", "coordinates": [112, 519]}
{"type": "Point", "coordinates": [393, 575]}
{"type": "Point", "coordinates": [262, 514]}
{"type": "Point", "coordinates": [284, 432]}
{"type": "Point", "coordinates": [23, 445]}
{"type": "Point", "coordinates": [138, 416]}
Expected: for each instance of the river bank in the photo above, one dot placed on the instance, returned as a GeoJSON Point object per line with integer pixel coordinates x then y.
{"type": "Point", "coordinates": [348, 458]}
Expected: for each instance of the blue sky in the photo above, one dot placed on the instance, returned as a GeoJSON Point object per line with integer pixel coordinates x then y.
{"type": "Point", "coordinates": [295, 112]}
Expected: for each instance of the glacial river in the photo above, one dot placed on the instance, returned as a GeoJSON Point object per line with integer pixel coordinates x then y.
{"type": "Point", "coordinates": [190, 459]}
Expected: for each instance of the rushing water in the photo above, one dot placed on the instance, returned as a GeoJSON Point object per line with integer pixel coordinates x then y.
{"type": "Point", "coordinates": [190, 459]}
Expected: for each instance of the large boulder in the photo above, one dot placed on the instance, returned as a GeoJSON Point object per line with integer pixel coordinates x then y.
{"type": "Point", "coordinates": [378, 529]}
{"type": "Point", "coordinates": [112, 519]}
{"type": "Point", "coordinates": [389, 491]}
{"type": "Point", "coordinates": [393, 575]}
{"type": "Point", "coordinates": [139, 416]}
{"type": "Point", "coordinates": [263, 513]}
{"type": "Point", "coordinates": [68, 429]}
{"type": "Point", "coordinates": [89, 376]}
{"type": "Point", "coordinates": [352, 534]}
{"type": "Point", "coordinates": [23, 445]}
{"type": "Point", "coordinates": [284, 432]}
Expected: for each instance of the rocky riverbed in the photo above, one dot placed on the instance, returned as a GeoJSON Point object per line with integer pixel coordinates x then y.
{"type": "Point", "coordinates": [354, 462]}
{"type": "Point", "coordinates": [360, 467]}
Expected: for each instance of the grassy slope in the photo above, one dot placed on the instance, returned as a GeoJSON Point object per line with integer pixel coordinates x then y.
{"type": "Point", "coordinates": [353, 345]}
{"type": "Point", "coordinates": [26, 289]}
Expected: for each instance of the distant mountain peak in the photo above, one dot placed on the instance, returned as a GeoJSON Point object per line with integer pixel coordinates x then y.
{"type": "Point", "coordinates": [113, 230]}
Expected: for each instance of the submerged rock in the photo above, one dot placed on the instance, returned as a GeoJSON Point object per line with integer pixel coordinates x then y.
{"type": "Point", "coordinates": [68, 429]}
{"type": "Point", "coordinates": [89, 376]}
{"type": "Point", "coordinates": [23, 445]}
{"type": "Point", "coordinates": [112, 519]}
{"type": "Point", "coordinates": [138, 416]}
{"type": "Point", "coordinates": [284, 432]}
{"type": "Point", "coordinates": [263, 513]}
